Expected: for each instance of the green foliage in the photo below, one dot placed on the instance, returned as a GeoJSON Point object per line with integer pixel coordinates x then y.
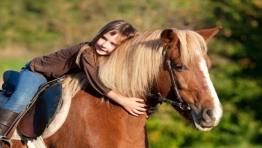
{"type": "Point", "coordinates": [15, 64]}
{"type": "Point", "coordinates": [10, 64]}
{"type": "Point", "coordinates": [30, 27]}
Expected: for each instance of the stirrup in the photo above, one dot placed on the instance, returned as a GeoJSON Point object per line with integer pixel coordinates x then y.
{"type": "Point", "coordinates": [7, 141]}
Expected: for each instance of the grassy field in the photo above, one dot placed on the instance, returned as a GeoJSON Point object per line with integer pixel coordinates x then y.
{"type": "Point", "coordinates": [11, 64]}
{"type": "Point", "coordinates": [13, 60]}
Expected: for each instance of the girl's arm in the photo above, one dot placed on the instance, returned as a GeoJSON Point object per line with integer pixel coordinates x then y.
{"type": "Point", "coordinates": [134, 106]}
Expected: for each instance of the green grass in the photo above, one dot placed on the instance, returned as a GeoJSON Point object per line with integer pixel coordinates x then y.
{"type": "Point", "coordinates": [11, 64]}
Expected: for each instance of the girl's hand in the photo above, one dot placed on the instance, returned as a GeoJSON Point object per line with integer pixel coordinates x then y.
{"type": "Point", "coordinates": [134, 106]}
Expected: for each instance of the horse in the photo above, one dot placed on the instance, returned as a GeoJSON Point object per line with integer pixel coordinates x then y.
{"type": "Point", "coordinates": [168, 65]}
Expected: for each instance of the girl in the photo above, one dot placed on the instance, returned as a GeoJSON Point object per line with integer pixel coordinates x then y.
{"type": "Point", "coordinates": [84, 55]}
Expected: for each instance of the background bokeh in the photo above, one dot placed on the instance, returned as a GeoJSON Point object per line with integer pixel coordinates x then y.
{"type": "Point", "coordinates": [30, 28]}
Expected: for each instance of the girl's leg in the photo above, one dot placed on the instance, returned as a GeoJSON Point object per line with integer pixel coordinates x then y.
{"type": "Point", "coordinates": [28, 84]}
{"type": "Point", "coordinates": [27, 87]}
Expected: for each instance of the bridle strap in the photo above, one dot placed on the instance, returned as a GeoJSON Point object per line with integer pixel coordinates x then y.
{"type": "Point", "coordinates": [174, 87]}
{"type": "Point", "coordinates": [161, 99]}
{"type": "Point", "coordinates": [180, 103]}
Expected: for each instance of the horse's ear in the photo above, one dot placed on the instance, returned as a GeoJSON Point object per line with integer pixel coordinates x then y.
{"type": "Point", "coordinates": [209, 33]}
{"type": "Point", "coordinates": [168, 37]}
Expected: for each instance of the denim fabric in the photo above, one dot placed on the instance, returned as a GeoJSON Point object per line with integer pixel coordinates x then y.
{"type": "Point", "coordinates": [27, 87]}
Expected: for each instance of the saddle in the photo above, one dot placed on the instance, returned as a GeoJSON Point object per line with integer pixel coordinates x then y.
{"type": "Point", "coordinates": [41, 110]}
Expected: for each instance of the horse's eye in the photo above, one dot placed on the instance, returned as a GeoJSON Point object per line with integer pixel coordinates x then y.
{"type": "Point", "coordinates": [180, 67]}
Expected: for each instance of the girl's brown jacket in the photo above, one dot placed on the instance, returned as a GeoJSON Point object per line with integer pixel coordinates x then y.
{"type": "Point", "coordinates": [64, 62]}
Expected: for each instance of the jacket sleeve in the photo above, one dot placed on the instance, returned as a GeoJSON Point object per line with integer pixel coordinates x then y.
{"type": "Point", "coordinates": [91, 69]}
{"type": "Point", "coordinates": [56, 64]}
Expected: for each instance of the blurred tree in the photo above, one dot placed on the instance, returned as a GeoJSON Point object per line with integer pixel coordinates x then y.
{"type": "Point", "coordinates": [45, 26]}
{"type": "Point", "coordinates": [236, 72]}
{"type": "Point", "coordinates": [241, 67]}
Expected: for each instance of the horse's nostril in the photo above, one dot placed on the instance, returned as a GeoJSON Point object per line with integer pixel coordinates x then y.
{"type": "Point", "coordinates": [208, 115]}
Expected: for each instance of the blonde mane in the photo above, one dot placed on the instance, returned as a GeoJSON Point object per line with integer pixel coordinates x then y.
{"type": "Point", "coordinates": [192, 46]}
{"type": "Point", "coordinates": [133, 67]}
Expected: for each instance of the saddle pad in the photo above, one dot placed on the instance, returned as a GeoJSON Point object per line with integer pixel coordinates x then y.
{"type": "Point", "coordinates": [42, 112]}
{"type": "Point", "coordinates": [71, 85]}
{"type": "Point", "coordinates": [10, 78]}
{"type": "Point", "coordinates": [57, 121]}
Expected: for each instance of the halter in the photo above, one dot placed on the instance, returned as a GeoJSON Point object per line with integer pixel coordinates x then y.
{"type": "Point", "coordinates": [180, 103]}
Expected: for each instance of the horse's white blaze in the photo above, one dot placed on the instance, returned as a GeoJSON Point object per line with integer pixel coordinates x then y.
{"type": "Point", "coordinates": [217, 106]}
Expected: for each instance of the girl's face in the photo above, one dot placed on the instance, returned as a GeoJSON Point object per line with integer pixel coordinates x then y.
{"type": "Point", "coordinates": [107, 44]}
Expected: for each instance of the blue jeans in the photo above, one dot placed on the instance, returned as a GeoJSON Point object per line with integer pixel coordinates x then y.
{"type": "Point", "coordinates": [28, 84]}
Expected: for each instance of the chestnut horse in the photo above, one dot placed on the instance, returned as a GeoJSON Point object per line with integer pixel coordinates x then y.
{"type": "Point", "coordinates": [161, 66]}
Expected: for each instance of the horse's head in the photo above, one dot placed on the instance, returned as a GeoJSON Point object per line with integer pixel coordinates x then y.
{"type": "Point", "coordinates": [184, 79]}
{"type": "Point", "coordinates": [138, 67]}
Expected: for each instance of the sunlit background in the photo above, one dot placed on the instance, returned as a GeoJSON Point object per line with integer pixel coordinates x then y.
{"type": "Point", "coordinates": [30, 28]}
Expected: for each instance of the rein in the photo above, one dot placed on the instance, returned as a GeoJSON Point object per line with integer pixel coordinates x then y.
{"type": "Point", "coordinates": [180, 103]}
